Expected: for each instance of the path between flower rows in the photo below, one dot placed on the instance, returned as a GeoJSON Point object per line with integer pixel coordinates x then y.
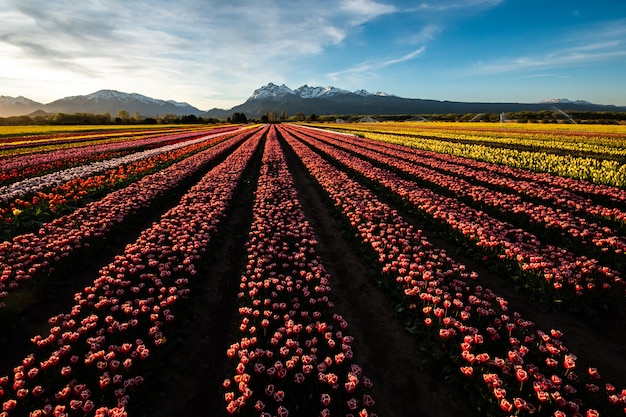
{"type": "Point", "coordinates": [191, 366]}
{"type": "Point", "coordinates": [404, 385]}
{"type": "Point", "coordinates": [389, 354]}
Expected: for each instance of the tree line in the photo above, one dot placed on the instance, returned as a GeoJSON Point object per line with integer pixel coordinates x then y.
{"type": "Point", "coordinates": [542, 116]}
{"type": "Point", "coordinates": [124, 117]}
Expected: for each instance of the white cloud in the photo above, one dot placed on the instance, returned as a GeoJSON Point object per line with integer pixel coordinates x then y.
{"type": "Point", "coordinates": [448, 5]}
{"type": "Point", "coordinates": [363, 10]}
{"type": "Point", "coordinates": [370, 67]}
{"type": "Point", "coordinates": [403, 58]}
{"type": "Point", "coordinates": [212, 53]}
{"type": "Point", "coordinates": [163, 47]}
{"type": "Point", "coordinates": [586, 48]}
{"type": "Point", "coordinates": [425, 34]}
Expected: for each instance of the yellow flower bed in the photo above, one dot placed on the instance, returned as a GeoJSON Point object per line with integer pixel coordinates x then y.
{"type": "Point", "coordinates": [542, 148]}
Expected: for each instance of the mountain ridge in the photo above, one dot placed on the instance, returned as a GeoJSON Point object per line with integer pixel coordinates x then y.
{"type": "Point", "coordinates": [332, 100]}
{"type": "Point", "coordinates": [568, 101]}
{"type": "Point", "coordinates": [280, 98]}
{"type": "Point", "coordinates": [305, 91]}
{"type": "Point", "coordinates": [99, 102]}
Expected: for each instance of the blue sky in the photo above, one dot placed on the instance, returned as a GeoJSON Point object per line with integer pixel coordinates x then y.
{"type": "Point", "coordinates": [216, 53]}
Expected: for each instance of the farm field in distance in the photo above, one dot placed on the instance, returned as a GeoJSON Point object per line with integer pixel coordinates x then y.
{"type": "Point", "coordinates": [315, 269]}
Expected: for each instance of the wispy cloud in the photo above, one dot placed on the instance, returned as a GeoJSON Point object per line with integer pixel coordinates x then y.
{"type": "Point", "coordinates": [371, 66]}
{"type": "Point", "coordinates": [557, 59]}
{"type": "Point", "coordinates": [215, 54]}
{"type": "Point", "coordinates": [164, 27]}
{"type": "Point", "coordinates": [424, 35]}
{"type": "Point", "coordinates": [587, 48]}
{"type": "Point", "coordinates": [448, 5]}
{"type": "Point", "coordinates": [541, 75]}
{"type": "Point", "coordinates": [365, 10]}
{"type": "Point", "coordinates": [403, 58]}
{"type": "Point", "coordinates": [246, 40]}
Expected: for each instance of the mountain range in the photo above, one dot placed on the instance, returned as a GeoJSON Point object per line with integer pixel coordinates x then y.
{"type": "Point", "coordinates": [280, 98]}
{"type": "Point", "coordinates": [332, 100]}
{"type": "Point", "coordinates": [103, 101]}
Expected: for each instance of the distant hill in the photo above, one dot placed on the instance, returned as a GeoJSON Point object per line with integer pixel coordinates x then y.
{"type": "Point", "coordinates": [103, 101]}
{"type": "Point", "coordinates": [111, 101]}
{"type": "Point", "coordinates": [280, 98]}
{"type": "Point", "coordinates": [332, 100]}
{"type": "Point", "coordinates": [18, 106]}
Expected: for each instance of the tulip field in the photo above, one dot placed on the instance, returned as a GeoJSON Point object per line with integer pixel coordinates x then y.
{"type": "Point", "coordinates": [313, 270]}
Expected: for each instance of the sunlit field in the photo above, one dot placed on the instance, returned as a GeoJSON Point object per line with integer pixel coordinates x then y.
{"type": "Point", "coordinates": [596, 153]}
{"type": "Point", "coordinates": [17, 140]}
{"type": "Point", "coordinates": [366, 269]}
{"type": "Point", "coordinates": [48, 129]}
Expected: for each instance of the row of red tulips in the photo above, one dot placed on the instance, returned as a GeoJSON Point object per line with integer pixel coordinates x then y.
{"type": "Point", "coordinates": [26, 185]}
{"type": "Point", "coordinates": [545, 267]}
{"type": "Point", "coordinates": [91, 360]}
{"type": "Point", "coordinates": [70, 159]}
{"type": "Point", "coordinates": [596, 191]}
{"type": "Point", "coordinates": [38, 163]}
{"type": "Point", "coordinates": [295, 355]}
{"type": "Point", "coordinates": [570, 216]}
{"type": "Point", "coordinates": [75, 138]}
{"type": "Point", "coordinates": [520, 369]}
{"type": "Point", "coordinates": [31, 205]}
{"type": "Point", "coordinates": [35, 255]}
{"type": "Point", "coordinates": [485, 173]}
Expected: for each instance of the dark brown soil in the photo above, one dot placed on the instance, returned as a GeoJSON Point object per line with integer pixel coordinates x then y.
{"type": "Point", "coordinates": [403, 384]}
{"type": "Point", "coordinates": [186, 376]}
{"type": "Point", "coordinates": [390, 356]}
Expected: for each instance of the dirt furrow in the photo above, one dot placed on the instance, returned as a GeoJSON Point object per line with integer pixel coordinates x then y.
{"type": "Point", "coordinates": [404, 385]}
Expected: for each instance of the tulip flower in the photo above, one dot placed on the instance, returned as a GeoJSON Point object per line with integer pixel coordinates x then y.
{"type": "Point", "coordinates": [290, 281]}
{"type": "Point", "coordinates": [503, 326]}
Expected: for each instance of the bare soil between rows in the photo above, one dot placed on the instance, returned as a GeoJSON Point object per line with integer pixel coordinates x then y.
{"type": "Point", "coordinates": [185, 377]}
{"type": "Point", "coordinates": [405, 382]}
{"type": "Point", "coordinates": [390, 356]}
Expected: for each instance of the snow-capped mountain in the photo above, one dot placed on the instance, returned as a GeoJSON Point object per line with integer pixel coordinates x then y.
{"type": "Point", "coordinates": [103, 101]}
{"type": "Point", "coordinates": [17, 106]}
{"type": "Point", "coordinates": [566, 101]}
{"type": "Point", "coordinates": [314, 100]}
{"type": "Point", "coordinates": [271, 90]}
{"type": "Point", "coordinates": [336, 101]}
{"type": "Point", "coordinates": [111, 101]}
{"type": "Point", "coordinates": [21, 100]}
{"type": "Point", "coordinates": [305, 91]}
{"type": "Point", "coordinates": [106, 95]}
{"type": "Point", "coordinates": [365, 93]}
{"type": "Point", "coordinates": [282, 99]}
